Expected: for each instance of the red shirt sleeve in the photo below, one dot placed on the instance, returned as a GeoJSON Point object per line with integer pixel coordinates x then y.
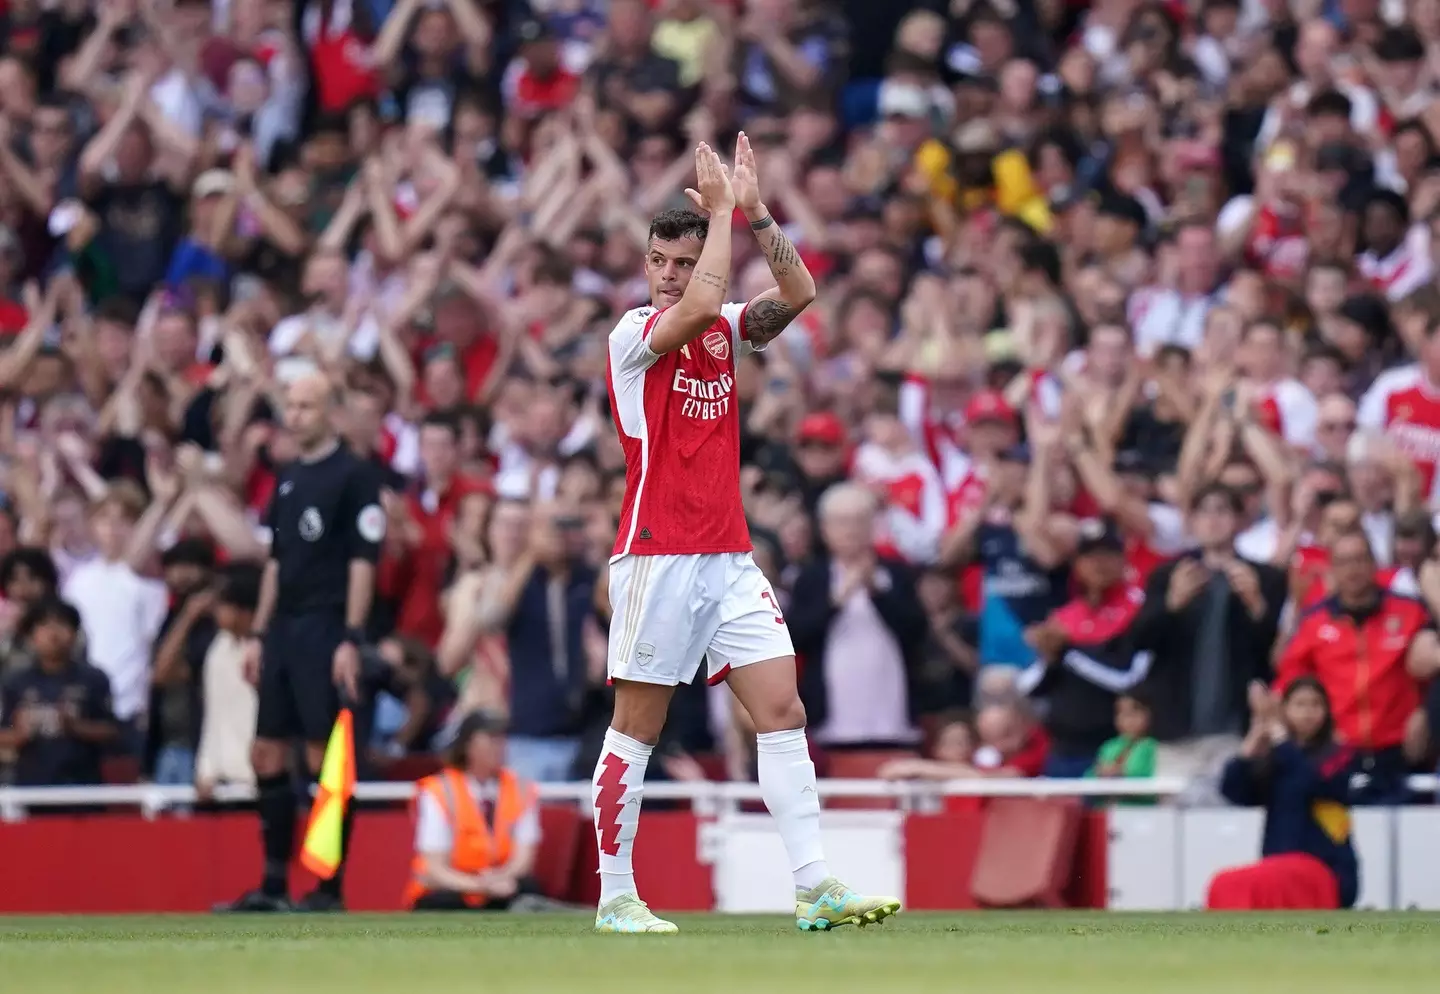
{"type": "Point", "coordinates": [1030, 761]}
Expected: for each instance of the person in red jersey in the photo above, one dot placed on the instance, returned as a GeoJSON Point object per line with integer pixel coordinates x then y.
{"type": "Point", "coordinates": [1371, 650]}
{"type": "Point", "coordinates": [1404, 403]}
{"type": "Point", "coordinates": [683, 584]}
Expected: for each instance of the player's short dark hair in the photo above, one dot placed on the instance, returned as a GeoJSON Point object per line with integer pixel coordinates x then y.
{"type": "Point", "coordinates": [678, 223]}
{"type": "Point", "coordinates": [50, 609]}
{"type": "Point", "coordinates": [32, 558]}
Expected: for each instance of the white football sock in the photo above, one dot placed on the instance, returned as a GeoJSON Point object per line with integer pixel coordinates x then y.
{"type": "Point", "coordinates": [615, 795]}
{"type": "Point", "coordinates": [787, 782]}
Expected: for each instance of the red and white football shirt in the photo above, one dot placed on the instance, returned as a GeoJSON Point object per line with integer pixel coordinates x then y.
{"type": "Point", "coordinates": [1406, 407]}
{"type": "Point", "coordinates": [913, 518]}
{"type": "Point", "coordinates": [679, 425]}
{"type": "Point", "coordinates": [1404, 270]}
{"type": "Point", "coordinates": [1289, 410]}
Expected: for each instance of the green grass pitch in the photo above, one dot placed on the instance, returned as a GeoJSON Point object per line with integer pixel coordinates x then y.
{"type": "Point", "coordinates": [997, 953]}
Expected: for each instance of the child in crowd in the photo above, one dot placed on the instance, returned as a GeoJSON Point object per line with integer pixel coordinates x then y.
{"type": "Point", "coordinates": [1292, 765]}
{"type": "Point", "coordinates": [1131, 753]}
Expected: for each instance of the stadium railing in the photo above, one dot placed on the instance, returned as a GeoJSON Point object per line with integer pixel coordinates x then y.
{"type": "Point", "coordinates": [707, 796]}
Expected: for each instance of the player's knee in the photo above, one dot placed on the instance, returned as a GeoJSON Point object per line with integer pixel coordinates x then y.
{"type": "Point", "coordinates": [779, 715]}
{"type": "Point", "coordinates": [267, 757]}
{"type": "Point", "coordinates": [640, 710]}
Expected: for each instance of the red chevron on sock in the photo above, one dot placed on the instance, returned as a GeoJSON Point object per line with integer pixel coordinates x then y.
{"type": "Point", "coordinates": [609, 802]}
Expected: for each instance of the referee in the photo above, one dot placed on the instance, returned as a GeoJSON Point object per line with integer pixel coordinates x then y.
{"type": "Point", "coordinates": [326, 526]}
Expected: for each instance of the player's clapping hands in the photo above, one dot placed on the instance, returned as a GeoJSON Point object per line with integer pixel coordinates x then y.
{"type": "Point", "coordinates": [714, 193]}
{"type": "Point", "coordinates": [744, 178]}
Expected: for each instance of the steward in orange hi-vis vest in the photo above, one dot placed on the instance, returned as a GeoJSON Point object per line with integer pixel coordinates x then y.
{"type": "Point", "coordinates": [477, 827]}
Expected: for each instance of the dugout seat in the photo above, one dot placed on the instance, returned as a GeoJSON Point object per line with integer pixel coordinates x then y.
{"type": "Point", "coordinates": [1027, 852]}
{"type": "Point", "coordinates": [861, 764]}
{"type": "Point", "coordinates": [560, 827]}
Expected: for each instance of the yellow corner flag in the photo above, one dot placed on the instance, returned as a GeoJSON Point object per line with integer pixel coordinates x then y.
{"type": "Point", "coordinates": [321, 852]}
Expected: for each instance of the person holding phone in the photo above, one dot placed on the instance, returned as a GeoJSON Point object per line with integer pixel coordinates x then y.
{"type": "Point", "coordinates": [1210, 618]}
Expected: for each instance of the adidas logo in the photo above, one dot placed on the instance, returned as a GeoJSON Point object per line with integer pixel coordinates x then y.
{"type": "Point", "coordinates": [645, 533]}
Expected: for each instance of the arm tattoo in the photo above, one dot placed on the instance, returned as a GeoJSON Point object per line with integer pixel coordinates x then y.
{"type": "Point", "coordinates": [765, 319]}
{"type": "Point", "coordinates": [781, 255]}
{"type": "Point", "coordinates": [718, 282]}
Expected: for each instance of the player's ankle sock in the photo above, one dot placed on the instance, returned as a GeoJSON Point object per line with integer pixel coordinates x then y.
{"type": "Point", "coordinates": [787, 782]}
{"type": "Point", "coordinates": [275, 801]}
{"type": "Point", "coordinates": [619, 781]}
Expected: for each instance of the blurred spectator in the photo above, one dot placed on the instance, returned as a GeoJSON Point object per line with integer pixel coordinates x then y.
{"type": "Point", "coordinates": [120, 610]}
{"type": "Point", "coordinates": [856, 620]}
{"type": "Point", "coordinates": [1291, 764]}
{"type": "Point", "coordinates": [415, 700]}
{"type": "Point", "coordinates": [540, 604]}
{"type": "Point", "coordinates": [27, 577]}
{"type": "Point", "coordinates": [1370, 651]}
{"type": "Point", "coordinates": [57, 714]}
{"type": "Point", "coordinates": [1086, 652]}
{"type": "Point", "coordinates": [1131, 753]}
{"type": "Point", "coordinates": [204, 652]}
{"type": "Point", "coordinates": [176, 700]}
{"type": "Point", "coordinates": [1210, 621]}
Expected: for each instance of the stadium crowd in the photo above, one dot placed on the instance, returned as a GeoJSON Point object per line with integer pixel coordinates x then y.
{"type": "Point", "coordinates": [1120, 394]}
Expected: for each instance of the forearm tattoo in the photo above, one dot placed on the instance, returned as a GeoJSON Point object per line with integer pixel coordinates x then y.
{"type": "Point", "coordinates": [781, 254]}
{"type": "Point", "coordinates": [765, 319]}
{"type": "Point", "coordinates": [712, 279]}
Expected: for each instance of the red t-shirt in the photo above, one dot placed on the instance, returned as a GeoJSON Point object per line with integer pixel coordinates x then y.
{"type": "Point", "coordinates": [420, 614]}
{"type": "Point", "coordinates": [1030, 760]}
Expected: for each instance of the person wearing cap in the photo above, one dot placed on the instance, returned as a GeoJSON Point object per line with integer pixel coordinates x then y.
{"type": "Point", "coordinates": [1085, 653]}
{"type": "Point", "coordinates": [820, 452]}
{"type": "Point", "coordinates": [543, 83]}
{"type": "Point", "coordinates": [477, 826]}
{"type": "Point", "coordinates": [198, 254]}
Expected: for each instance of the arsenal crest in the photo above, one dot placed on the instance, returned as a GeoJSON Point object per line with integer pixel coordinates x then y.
{"type": "Point", "coordinates": [717, 343]}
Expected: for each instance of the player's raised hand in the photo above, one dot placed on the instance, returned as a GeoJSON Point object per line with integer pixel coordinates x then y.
{"type": "Point", "coordinates": [714, 194]}
{"type": "Point", "coordinates": [744, 178]}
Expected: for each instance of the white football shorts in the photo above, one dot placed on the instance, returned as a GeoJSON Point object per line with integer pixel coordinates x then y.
{"type": "Point", "coordinates": [669, 612]}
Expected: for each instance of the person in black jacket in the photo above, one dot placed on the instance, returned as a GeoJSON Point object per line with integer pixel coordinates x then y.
{"type": "Point", "coordinates": [1292, 765]}
{"type": "Point", "coordinates": [1210, 619]}
{"type": "Point", "coordinates": [1085, 652]}
{"type": "Point", "coordinates": [858, 629]}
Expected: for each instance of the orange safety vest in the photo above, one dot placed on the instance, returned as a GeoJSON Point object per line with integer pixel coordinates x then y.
{"type": "Point", "coordinates": [476, 848]}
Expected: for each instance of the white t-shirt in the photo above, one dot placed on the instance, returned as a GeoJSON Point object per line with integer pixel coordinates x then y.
{"type": "Point", "coordinates": [433, 832]}
{"type": "Point", "coordinates": [121, 613]}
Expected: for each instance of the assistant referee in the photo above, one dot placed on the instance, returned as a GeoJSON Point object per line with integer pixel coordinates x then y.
{"type": "Point", "coordinates": [326, 526]}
